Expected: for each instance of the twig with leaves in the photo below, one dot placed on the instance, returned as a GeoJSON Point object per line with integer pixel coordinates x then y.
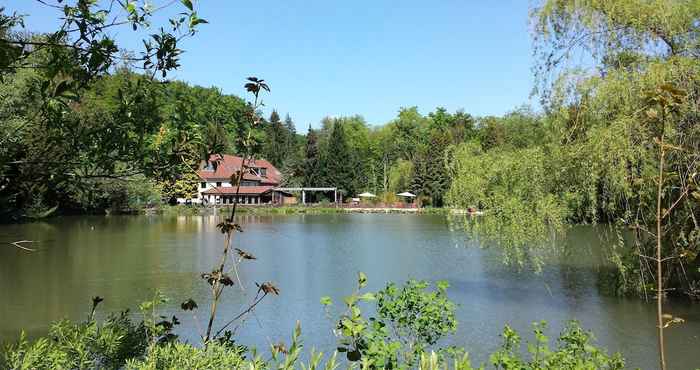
{"type": "Point", "coordinates": [219, 277]}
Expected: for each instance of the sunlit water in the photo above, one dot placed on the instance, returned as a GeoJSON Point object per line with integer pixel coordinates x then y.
{"type": "Point", "coordinates": [125, 259]}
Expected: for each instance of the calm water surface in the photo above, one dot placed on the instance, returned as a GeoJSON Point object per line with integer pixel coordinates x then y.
{"type": "Point", "coordinates": [125, 259]}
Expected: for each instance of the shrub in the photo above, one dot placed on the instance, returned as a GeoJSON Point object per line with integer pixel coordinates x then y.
{"type": "Point", "coordinates": [187, 356]}
{"type": "Point", "coordinates": [574, 351]}
{"type": "Point", "coordinates": [81, 346]}
{"type": "Point", "coordinates": [418, 318]}
{"type": "Point", "coordinates": [410, 321]}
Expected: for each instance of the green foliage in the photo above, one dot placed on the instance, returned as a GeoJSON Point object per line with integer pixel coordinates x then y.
{"type": "Point", "coordinates": [70, 115]}
{"type": "Point", "coordinates": [609, 125]}
{"type": "Point", "coordinates": [85, 36]}
{"type": "Point", "coordinates": [400, 174]}
{"type": "Point", "coordinates": [594, 155]}
{"type": "Point", "coordinates": [516, 191]}
{"type": "Point", "coordinates": [125, 138]}
{"type": "Point", "coordinates": [339, 161]}
{"type": "Point", "coordinates": [187, 356]}
{"type": "Point", "coordinates": [616, 34]}
{"type": "Point", "coordinates": [406, 132]}
{"type": "Point", "coordinates": [185, 186]}
{"type": "Point", "coordinates": [430, 176]}
{"type": "Point", "coordinates": [574, 351]}
{"type": "Point", "coordinates": [81, 346]}
{"type": "Point", "coordinates": [409, 320]}
{"type": "Point", "coordinates": [311, 165]}
{"type": "Point", "coordinates": [280, 140]}
{"type": "Point", "coordinates": [418, 317]}
{"type": "Point", "coordinates": [159, 329]}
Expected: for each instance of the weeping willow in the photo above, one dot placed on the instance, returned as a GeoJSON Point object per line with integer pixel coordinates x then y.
{"type": "Point", "coordinates": [599, 162]}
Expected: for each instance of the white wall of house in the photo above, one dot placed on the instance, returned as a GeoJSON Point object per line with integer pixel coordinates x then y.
{"type": "Point", "coordinates": [210, 185]}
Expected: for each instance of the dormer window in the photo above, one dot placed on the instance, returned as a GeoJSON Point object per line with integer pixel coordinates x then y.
{"type": "Point", "coordinates": [210, 166]}
{"type": "Point", "coordinates": [263, 172]}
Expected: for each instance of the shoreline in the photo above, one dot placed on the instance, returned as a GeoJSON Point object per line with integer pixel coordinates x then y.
{"type": "Point", "coordinates": [185, 210]}
{"type": "Point", "coordinates": [264, 210]}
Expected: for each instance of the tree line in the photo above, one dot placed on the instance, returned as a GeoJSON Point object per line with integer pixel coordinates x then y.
{"type": "Point", "coordinates": [409, 153]}
{"type": "Point", "coordinates": [124, 141]}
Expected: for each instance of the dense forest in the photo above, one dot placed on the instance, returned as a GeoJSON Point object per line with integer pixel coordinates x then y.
{"type": "Point", "coordinates": [123, 130]}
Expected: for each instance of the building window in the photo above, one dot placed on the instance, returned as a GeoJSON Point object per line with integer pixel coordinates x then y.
{"type": "Point", "coordinates": [202, 185]}
{"type": "Point", "coordinates": [249, 183]}
{"type": "Point", "coordinates": [263, 172]}
{"type": "Point", "coordinates": [218, 184]}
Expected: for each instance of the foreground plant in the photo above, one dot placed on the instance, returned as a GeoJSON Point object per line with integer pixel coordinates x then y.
{"type": "Point", "coordinates": [421, 316]}
{"type": "Point", "coordinates": [409, 320]}
{"type": "Point", "coordinates": [665, 102]}
{"type": "Point", "coordinates": [574, 351]}
{"type": "Point", "coordinates": [220, 277]}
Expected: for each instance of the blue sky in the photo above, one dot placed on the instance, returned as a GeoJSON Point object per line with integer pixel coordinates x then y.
{"type": "Point", "coordinates": [332, 58]}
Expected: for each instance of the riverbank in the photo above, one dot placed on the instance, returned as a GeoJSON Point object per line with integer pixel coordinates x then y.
{"type": "Point", "coordinates": [286, 210]}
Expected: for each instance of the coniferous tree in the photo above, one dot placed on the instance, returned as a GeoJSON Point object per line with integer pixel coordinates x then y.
{"type": "Point", "coordinates": [289, 125]}
{"type": "Point", "coordinates": [294, 143]}
{"type": "Point", "coordinates": [293, 169]}
{"type": "Point", "coordinates": [312, 160]}
{"type": "Point", "coordinates": [430, 178]}
{"type": "Point", "coordinates": [275, 146]}
{"type": "Point", "coordinates": [338, 164]}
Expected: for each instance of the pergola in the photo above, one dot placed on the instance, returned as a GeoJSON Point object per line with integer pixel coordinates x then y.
{"type": "Point", "coordinates": [303, 191]}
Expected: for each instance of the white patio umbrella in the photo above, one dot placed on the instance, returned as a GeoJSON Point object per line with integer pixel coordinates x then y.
{"type": "Point", "coordinates": [366, 195]}
{"type": "Point", "coordinates": [406, 194]}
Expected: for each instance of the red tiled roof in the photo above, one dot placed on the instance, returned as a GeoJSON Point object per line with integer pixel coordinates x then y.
{"type": "Point", "coordinates": [245, 190]}
{"type": "Point", "coordinates": [227, 165]}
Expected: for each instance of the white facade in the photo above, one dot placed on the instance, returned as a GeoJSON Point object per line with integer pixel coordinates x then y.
{"type": "Point", "coordinates": [203, 186]}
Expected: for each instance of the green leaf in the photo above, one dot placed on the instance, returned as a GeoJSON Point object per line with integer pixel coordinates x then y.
{"type": "Point", "coordinates": [187, 3]}
{"type": "Point", "coordinates": [350, 300]}
{"type": "Point", "coordinates": [367, 297]}
{"type": "Point", "coordinates": [326, 301]}
{"type": "Point", "coordinates": [361, 279]}
{"type": "Point", "coordinates": [131, 8]}
{"type": "Point", "coordinates": [199, 21]}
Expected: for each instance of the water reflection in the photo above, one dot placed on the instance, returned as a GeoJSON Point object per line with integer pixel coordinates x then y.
{"type": "Point", "coordinates": [124, 259]}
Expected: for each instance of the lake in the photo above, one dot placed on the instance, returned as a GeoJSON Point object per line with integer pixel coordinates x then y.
{"type": "Point", "coordinates": [126, 258]}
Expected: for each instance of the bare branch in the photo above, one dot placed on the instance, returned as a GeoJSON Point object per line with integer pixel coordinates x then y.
{"type": "Point", "coordinates": [19, 245]}
{"type": "Point", "coordinates": [258, 298]}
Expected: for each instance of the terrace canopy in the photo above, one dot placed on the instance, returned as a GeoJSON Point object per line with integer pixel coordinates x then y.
{"type": "Point", "coordinates": [366, 195]}
{"type": "Point", "coordinates": [303, 191]}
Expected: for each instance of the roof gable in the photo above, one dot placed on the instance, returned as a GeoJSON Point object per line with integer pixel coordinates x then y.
{"type": "Point", "coordinates": [226, 165]}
